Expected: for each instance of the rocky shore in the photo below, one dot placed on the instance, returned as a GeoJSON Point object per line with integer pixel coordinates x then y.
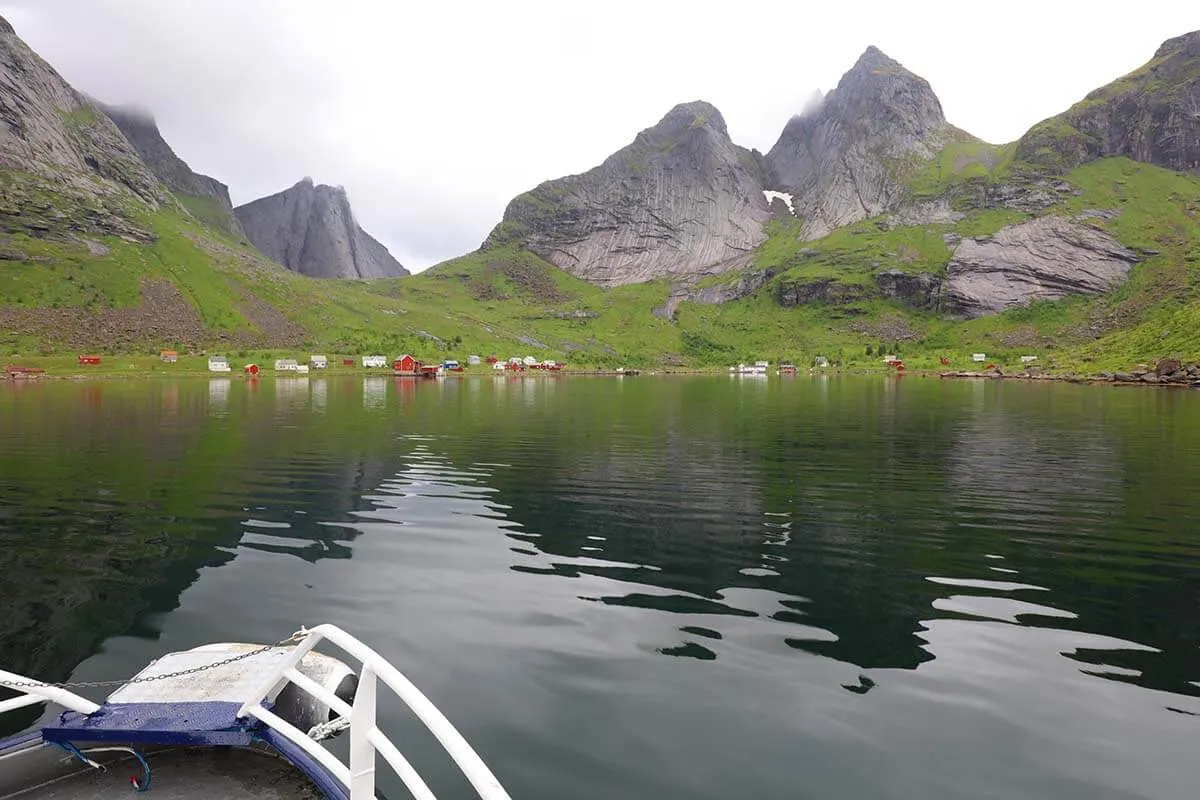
{"type": "Point", "coordinates": [1168, 372]}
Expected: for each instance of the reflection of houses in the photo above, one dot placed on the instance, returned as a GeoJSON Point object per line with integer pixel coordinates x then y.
{"type": "Point", "coordinates": [218, 394]}
{"type": "Point", "coordinates": [374, 392]}
{"type": "Point", "coordinates": [320, 392]}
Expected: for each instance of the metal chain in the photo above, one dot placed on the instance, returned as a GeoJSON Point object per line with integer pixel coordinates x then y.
{"type": "Point", "coordinates": [295, 637]}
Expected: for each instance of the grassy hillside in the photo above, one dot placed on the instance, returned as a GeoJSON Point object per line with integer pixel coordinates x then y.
{"type": "Point", "coordinates": [193, 288]}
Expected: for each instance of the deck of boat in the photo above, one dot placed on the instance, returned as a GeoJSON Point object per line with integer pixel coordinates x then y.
{"type": "Point", "coordinates": [179, 773]}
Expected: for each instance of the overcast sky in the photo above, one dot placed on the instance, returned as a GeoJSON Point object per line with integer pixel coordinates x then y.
{"type": "Point", "coordinates": [433, 115]}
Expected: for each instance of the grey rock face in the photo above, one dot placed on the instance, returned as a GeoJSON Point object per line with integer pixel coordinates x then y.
{"type": "Point", "coordinates": [923, 290]}
{"type": "Point", "coordinates": [841, 159]}
{"type": "Point", "coordinates": [142, 132]}
{"type": "Point", "coordinates": [1043, 259]}
{"type": "Point", "coordinates": [52, 131]}
{"type": "Point", "coordinates": [819, 290]}
{"type": "Point", "coordinates": [311, 229]}
{"type": "Point", "coordinates": [681, 199]}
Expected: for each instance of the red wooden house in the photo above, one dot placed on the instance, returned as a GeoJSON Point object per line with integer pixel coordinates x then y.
{"type": "Point", "coordinates": [90, 360]}
{"type": "Point", "coordinates": [406, 365]}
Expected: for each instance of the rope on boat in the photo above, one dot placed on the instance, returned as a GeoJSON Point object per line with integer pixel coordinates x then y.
{"type": "Point", "coordinates": [138, 786]}
{"type": "Point", "coordinates": [325, 730]}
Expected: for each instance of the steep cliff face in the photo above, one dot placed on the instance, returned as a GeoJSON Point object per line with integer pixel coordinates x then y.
{"type": "Point", "coordinates": [843, 158]}
{"type": "Point", "coordinates": [1043, 259]}
{"type": "Point", "coordinates": [681, 199]}
{"type": "Point", "coordinates": [205, 197]}
{"type": "Point", "coordinates": [1150, 115]}
{"type": "Point", "coordinates": [52, 138]}
{"type": "Point", "coordinates": [311, 230]}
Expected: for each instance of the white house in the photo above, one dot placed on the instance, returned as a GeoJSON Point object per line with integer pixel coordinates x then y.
{"type": "Point", "coordinates": [218, 364]}
{"type": "Point", "coordinates": [473, 361]}
{"type": "Point", "coordinates": [499, 365]}
{"type": "Point", "coordinates": [374, 361]}
{"type": "Point", "coordinates": [286, 365]}
{"type": "Point", "coordinates": [318, 362]}
{"type": "Point", "coordinates": [530, 361]}
{"type": "Point", "coordinates": [1028, 359]}
{"type": "Point", "coordinates": [822, 361]}
{"type": "Point", "coordinates": [979, 357]}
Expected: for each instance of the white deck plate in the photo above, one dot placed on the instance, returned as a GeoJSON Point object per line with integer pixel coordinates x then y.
{"type": "Point", "coordinates": [230, 683]}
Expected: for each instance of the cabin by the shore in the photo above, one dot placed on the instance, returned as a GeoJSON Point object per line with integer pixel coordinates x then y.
{"type": "Point", "coordinates": [406, 365]}
{"type": "Point", "coordinates": [89, 361]}
{"type": "Point", "coordinates": [318, 362]}
{"type": "Point", "coordinates": [374, 361]}
{"type": "Point", "coordinates": [218, 364]}
{"type": "Point", "coordinates": [168, 356]}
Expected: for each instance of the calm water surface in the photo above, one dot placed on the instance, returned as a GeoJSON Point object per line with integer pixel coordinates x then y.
{"type": "Point", "coordinates": [692, 588]}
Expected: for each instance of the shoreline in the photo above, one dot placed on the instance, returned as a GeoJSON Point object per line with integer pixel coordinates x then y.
{"type": "Point", "coordinates": [1189, 380]}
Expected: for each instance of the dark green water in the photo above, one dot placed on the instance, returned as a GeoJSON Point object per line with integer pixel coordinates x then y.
{"type": "Point", "coordinates": [696, 589]}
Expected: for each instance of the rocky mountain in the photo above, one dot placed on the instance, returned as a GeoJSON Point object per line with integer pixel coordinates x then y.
{"type": "Point", "coordinates": [52, 138]}
{"type": "Point", "coordinates": [310, 229]}
{"type": "Point", "coordinates": [844, 157]}
{"type": "Point", "coordinates": [682, 198]}
{"type": "Point", "coordinates": [205, 197]}
{"type": "Point", "coordinates": [1150, 115]}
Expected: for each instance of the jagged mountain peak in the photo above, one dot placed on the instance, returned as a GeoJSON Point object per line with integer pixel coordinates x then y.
{"type": "Point", "coordinates": [838, 158]}
{"type": "Point", "coordinates": [680, 199]}
{"type": "Point", "coordinates": [6, 26]}
{"type": "Point", "coordinates": [310, 228]}
{"type": "Point", "coordinates": [696, 114]}
{"type": "Point", "coordinates": [879, 87]}
{"type": "Point", "coordinates": [872, 59]}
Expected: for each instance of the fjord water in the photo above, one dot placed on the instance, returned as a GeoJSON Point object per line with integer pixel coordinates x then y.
{"type": "Point", "coordinates": [651, 587]}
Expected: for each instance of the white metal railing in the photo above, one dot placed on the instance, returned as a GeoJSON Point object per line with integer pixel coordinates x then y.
{"type": "Point", "coordinates": [366, 739]}
{"type": "Point", "coordinates": [34, 692]}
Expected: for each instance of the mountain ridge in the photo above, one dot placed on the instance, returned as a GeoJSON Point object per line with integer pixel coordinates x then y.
{"type": "Point", "coordinates": [311, 229]}
{"type": "Point", "coordinates": [204, 196]}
